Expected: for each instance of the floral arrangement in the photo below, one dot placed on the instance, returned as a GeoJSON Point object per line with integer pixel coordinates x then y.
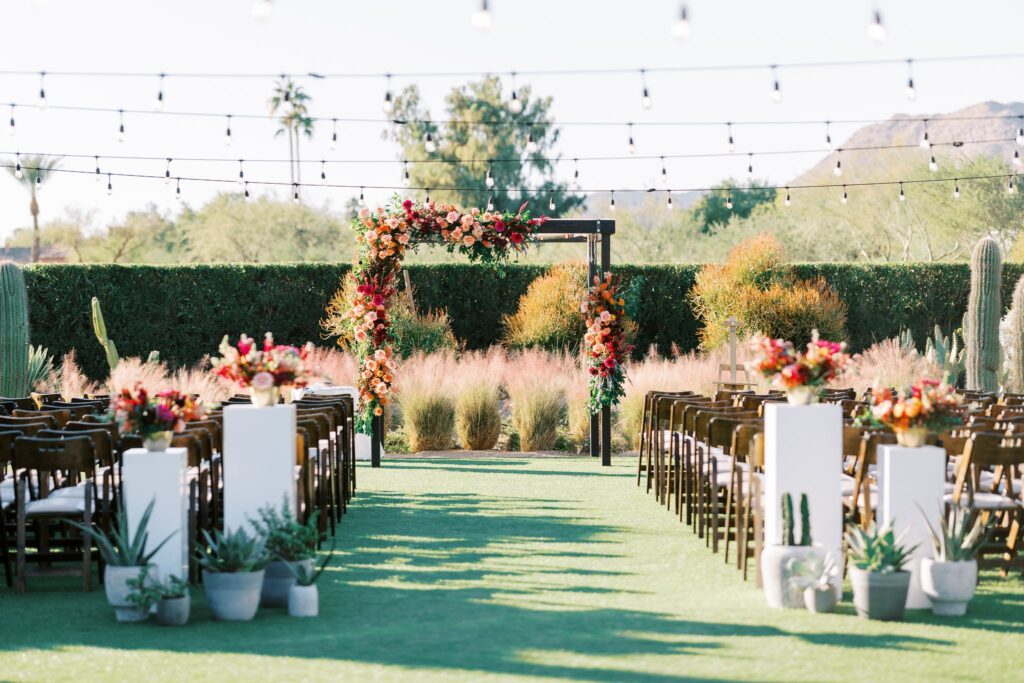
{"type": "Point", "coordinates": [605, 346]}
{"type": "Point", "coordinates": [273, 365]}
{"type": "Point", "coordinates": [137, 412]}
{"type": "Point", "coordinates": [382, 238]}
{"type": "Point", "coordinates": [777, 360]}
{"type": "Point", "coordinates": [928, 404]}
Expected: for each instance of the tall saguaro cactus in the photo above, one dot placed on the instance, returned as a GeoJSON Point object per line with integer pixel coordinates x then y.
{"type": "Point", "coordinates": [1016, 340]}
{"type": "Point", "coordinates": [100, 328]}
{"type": "Point", "coordinates": [14, 332]}
{"type": "Point", "coordinates": [984, 309]}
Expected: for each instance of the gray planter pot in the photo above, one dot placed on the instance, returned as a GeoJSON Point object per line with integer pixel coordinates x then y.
{"type": "Point", "coordinates": [820, 600]}
{"type": "Point", "coordinates": [233, 596]}
{"type": "Point", "coordinates": [277, 579]}
{"type": "Point", "coordinates": [949, 585]}
{"type": "Point", "coordinates": [303, 601]}
{"type": "Point", "coordinates": [879, 596]}
{"type": "Point", "coordinates": [174, 611]}
{"type": "Point", "coordinates": [115, 584]}
{"type": "Point", "coordinates": [775, 574]}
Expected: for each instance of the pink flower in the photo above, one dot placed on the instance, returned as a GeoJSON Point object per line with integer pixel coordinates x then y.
{"type": "Point", "coordinates": [469, 240]}
{"type": "Point", "coordinates": [262, 380]}
{"type": "Point", "coordinates": [499, 225]}
{"type": "Point", "coordinates": [452, 217]}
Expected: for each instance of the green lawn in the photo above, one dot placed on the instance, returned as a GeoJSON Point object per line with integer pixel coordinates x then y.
{"type": "Point", "coordinates": [492, 569]}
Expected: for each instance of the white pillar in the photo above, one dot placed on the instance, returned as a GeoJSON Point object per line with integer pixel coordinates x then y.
{"type": "Point", "coordinates": [160, 476]}
{"type": "Point", "coordinates": [363, 441]}
{"type": "Point", "coordinates": [908, 478]}
{"type": "Point", "coordinates": [259, 461]}
{"type": "Point", "coordinates": [804, 454]}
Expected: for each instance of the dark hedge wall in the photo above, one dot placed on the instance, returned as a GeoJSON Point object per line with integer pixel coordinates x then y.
{"type": "Point", "coordinates": [183, 311]}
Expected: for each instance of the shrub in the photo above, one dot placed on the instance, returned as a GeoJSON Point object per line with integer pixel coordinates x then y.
{"type": "Point", "coordinates": [428, 410]}
{"type": "Point", "coordinates": [760, 290]}
{"type": "Point", "coordinates": [549, 314]}
{"type": "Point", "coordinates": [477, 408]}
{"type": "Point", "coordinates": [534, 381]}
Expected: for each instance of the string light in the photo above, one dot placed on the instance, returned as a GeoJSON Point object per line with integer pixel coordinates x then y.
{"type": "Point", "coordinates": [828, 135]}
{"type": "Point", "coordinates": [18, 173]}
{"type": "Point", "coordinates": [631, 146]}
{"type": "Point", "coordinates": [728, 201]}
{"type": "Point", "coordinates": [323, 172]}
{"type": "Point", "coordinates": [261, 10]}
{"type": "Point", "coordinates": [681, 27]}
{"type": "Point", "coordinates": [177, 189]}
{"type": "Point", "coordinates": [645, 99]}
{"type": "Point", "coordinates": [956, 189]}
{"type": "Point", "coordinates": [167, 171]}
{"type": "Point", "coordinates": [120, 129]}
{"type": "Point", "coordinates": [426, 199]}
{"type": "Point", "coordinates": [838, 170]}
{"type": "Point", "coordinates": [531, 144]}
{"type": "Point", "coordinates": [110, 186]}
{"type": "Point", "coordinates": [925, 142]}
{"type": "Point", "coordinates": [576, 173]}
{"type": "Point", "coordinates": [42, 90]}
{"type": "Point", "coordinates": [97, 169]}
{"type": "Point", "coordinates": [428, 144]}
{"type": "Point", "coordinates": [732, 142]}
{"type": "Point", "coordinates": [776, 93]}
{"type": "Point", "coordinates": [489, 180]}
{"type": "Point", "coordinates": [241, 173]}
{"type": "Point", "coordinates": [389, 104]}
{"type": "Point", "coordinates": [159, 104]}
{"type": "Point", "coordinates": [10, 128]}
{"type": "Point", "coordinates": [911, 90]}
{"type": "Point", "coordinates": [1016, 159]}
{"type": "Point", "coordinates": [245, 188]}
{"type": "Point", "coordinates": [515, 105]}
{"type": "Point", "coordinates": [1010, 187]}
{"type": "Point", "coordinates": [405, 177]}
{"type": "Point", "coordinates": [551, 202]}
{"type": "Point", "coordinates": [1019, 139]}
{"type": "Point", "coordinates": [664, 173]}
{"type": "Point", "coordinates": [481, 19]}
{"type": "Point", "coordinates": [295, 193]}
{"type": "Point", "coordinates": [490, 202]}
{"type": "Point", "coordinates": [933, 165]}
{"type": "Point", "coordinates": [668, 200]}
{"type": "Point", "coordinates": [611, 204]}
{"type": "Point", "coordinates": [903, 197]}
{"type": "Point", "coordinates": [362, 198]}
{"type": "Point", "coordinates": [334, 135]}
{"type": "Point", "coordinates": [845, 197]}
{"type": "Point", "coordinates": [788, 200]}
{"type": "Point", "coordinates": [227, 132]}
{"type": "Point", "coordinates": [876, 29]}
{"type": "Point", "coordinates": [750, 165]}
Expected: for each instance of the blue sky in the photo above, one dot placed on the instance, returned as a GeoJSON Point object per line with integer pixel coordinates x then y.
{"type": "Point", "coordinates": [404, 35]}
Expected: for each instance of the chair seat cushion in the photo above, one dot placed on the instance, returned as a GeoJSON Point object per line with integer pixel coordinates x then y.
{"type": "Point", "coordinates": [70, 506]}
{"type": "Point", "coordinates": [984, 501]}
{"type": "Point", "coordinates": [6, 492]}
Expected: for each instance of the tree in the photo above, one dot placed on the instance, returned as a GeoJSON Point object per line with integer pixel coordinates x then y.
{"type": "Point", "coordinates": [501, 146]}
{"type": "Point", "coordinates": [292, 103]}
{"type": "Point", "coordinates": [32, 172]}
{"type": "Point", "coordinates": [712, 211]}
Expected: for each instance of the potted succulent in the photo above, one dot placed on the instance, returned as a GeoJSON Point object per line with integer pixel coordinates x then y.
{"type": "Point", "coordinates": [777, 561]}
{"type": "Point", "coordinates": [125, 555]}
{"type": "Point", "coordinates": [814, 576]}
{"type": "Point", "coordinates": [290, 544]}
{"type": "Point", "coordinates": [171, 597]}
{"type": "Point", "coordinates": [801, 374]}
{"type": "Point", "coordinates": [232, 565]}
{"type": "Point", "coordinates": [879, 581]}
{"type": "Point", "coordinates": [950, 577]}
{"type": "Point", "coordinates": [303, 596]}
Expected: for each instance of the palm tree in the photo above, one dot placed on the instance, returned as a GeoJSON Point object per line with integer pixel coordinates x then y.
{"type": "Point", "coordinates": [32, 172]}
{"type": "Point", "coordinates": [292, 103]}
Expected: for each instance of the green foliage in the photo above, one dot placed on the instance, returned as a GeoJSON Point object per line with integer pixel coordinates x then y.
{"type": "Point", "coordinates": [232, 552]}
{"type": "Point", "coordinates": [145, 592]}
{"type": "Point", "coordinates": [959, 537]}
{"type": "Point", "coordinates": [478, 415]}
{"type": "Point", "coordinates": [284, 537]}
{"type": "Point", "coordinates": [548, 315]}
{"type": "Point", "coordinates": [946, 353]}
{"type": "Point", "coordinates": [805, 520]}
{"type": "Point", "coordinates": [877, 550]}
{"type": "Point", "coordinates": [984, 309]}
{"type": "Point", "coordinates": [395, 442]}
{"type": "Point", "coordinates": [712, 213]}
{"type": "Point", "coordinates": [121, 548]}
{"type": "Point", "coordinates": [14, 332]}
{"type": "Point", "coordinates": [40, 365]}
{"type": "Point", "coordinates": [99, 328]}
{"type": "Point", "coordinates": [414, 331]}
{"type": "Point", "coordinates": [306, 576]}
{"type": "Point", "coordinates": [788, 537]}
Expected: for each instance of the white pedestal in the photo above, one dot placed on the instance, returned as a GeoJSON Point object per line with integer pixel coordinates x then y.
{"type": "Point", "coordinates": [160, 476]}
{"type": "Point", "coordinates": [908, 478]}
{"type": "Point", "coordinates": [259, 461]}
{"type": "Point", "coordinates": [804, 454]}
{"type": "Point", "coordinates": [364, 443]}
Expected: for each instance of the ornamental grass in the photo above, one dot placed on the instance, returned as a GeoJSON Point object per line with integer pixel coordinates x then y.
{"type": "Point", "coordinates": [888, 363]}
{"type": "Point", "coordinates": [70, 381]}
{"type": "Point", "coordinates": [577, 397]}
{"type": "Point", "coordinates": [333, 365]}
{"type": "Point", "coordinates": [535, 383]}
{"type": "Point", "coordinates": [424, 397]}
{"type": "Point", "coordinates": [478, 405]}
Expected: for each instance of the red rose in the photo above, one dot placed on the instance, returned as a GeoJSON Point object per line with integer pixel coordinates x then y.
{"type": "Point", "coordinates": [515, 238]}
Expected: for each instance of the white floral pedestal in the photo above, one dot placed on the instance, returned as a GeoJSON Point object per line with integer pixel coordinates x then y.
{"type": "Point", "coordinates": [804, 454]}
{"type": "Point", "coordinates": [908, 478]}
{"type": "Point", "coordinates": [259, 461]}
{"type": "Point", "coordinates": [160, 476]}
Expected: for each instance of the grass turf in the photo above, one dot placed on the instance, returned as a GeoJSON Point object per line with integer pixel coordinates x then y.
{"type": "Point", "coordinates": [480, 570]}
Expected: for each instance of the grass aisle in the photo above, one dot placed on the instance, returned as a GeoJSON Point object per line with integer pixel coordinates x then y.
{"type": "Point", "coordinates": [498, 569]}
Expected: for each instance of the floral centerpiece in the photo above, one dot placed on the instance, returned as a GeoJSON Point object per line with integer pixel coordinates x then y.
{"type": "Point", "coordinates": [801, 375]}
{"type": "Point", "coordinates": [154, 418]}
{"type": "Point", "coordinates": [382, 238]}
{"type": "Point", "coordinates": [604, 345]}
{"type": "Point", "coordinates": [927, 406]}
{"type": "Point", "coordinates": [263, 370]}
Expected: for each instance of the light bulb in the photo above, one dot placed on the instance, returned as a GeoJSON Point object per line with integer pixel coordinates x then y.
{"type": "Point", "coordinates": [489, 180]}
{"type": "Point", "coordinates": [911, 90]}
{"type": "Point", "coordinates": [177, 190]}
{"type": "Point", "coordinates": [334, 135]}
{"type": "Point", "coordinates": [261, 10]}
{"type": "Point", "coordinates": [515, 105]}
{"type": "Point", "coordinates": [158, 104]}
{"type": "Point", "coordinates": [551, 202]}
{"type": "Point", "coordinates": [426, 199]}
{"type": "Point", "coordinates": [389, 105]}
{"type": "Point", "coordinates": [776, 93]}
{"type": "Point", "coordinates": [787, 201]}
{"type": "Point", "coordinates": [362, 198]}
{"type": "Point", "coordinates": [490, 203]}
{"type": "Point", "coordinates": [1016, 159]}
{"type": "Point", "coordinates": [681, 27]}
{"type": "Point", "coordinates": [323, 173]}
{"type": "Point", "coordinates": [732, 142]}
{"type": "Point", "coordinates": [1019, 140]}
{"type": "Point", "coordinates": [668, 201]}
{"type": "Point", "coordinates": [728, 201]}
{"type": "Point", "coordinates": [611, 204]}
{"type": "Point", "coordinates": [750, 168]}
{"type": "Point", "coordinates": [429, 144]}
{"type": "Point", "coordinates": [838, 170]}
{"type": "Point", "coordinates": [1010, 187]}
{"type": "Point", "coordinates": [956, 190]}
{"type": "Point", "coordinates": [245, 187]}
{"type": "Point", "coordinates": [405, 177]}
{"type": "Point", "coordinates": [531, 144]}
{"type": "Point", "coordinates": [97, 169]}
{"type": "Point", "coordinates": [295, 194]}
{"type": "Point", "coordinates": [876, 30]}
{"type": "Point", "coordinates": [10, 128]}
{"type": "Point", "coordinates": [828, 135]}
{"type": "Point", "coordinates": [925, 142]}
{"type": "Point", "coordinates": [903, 197]}
{"type": "Point", "coordinates": [933, 165]}
{"type": "Point", "coordinates": [241, 174]}
{"type": "Point", "coordinates": [646, 100]}
{"type": "Point", "coordinates": [481, 19]}
{"type": "Point", "coordinates": [120, 128]}
{"type": "Point", "coordinates": [110, 186]}
{"type": "Point", "coordinates": [167, 173]}
{"type": "Point", "coordinates": [845, 196]}
{"type": "Point", "coordinates": [227, 133]}
{"type": "Point", "coordinates": [18, 173]}
{"type": "Point", "coordinates": [575, 174]}
{"type": "Point", "coordinates": [631, 146]}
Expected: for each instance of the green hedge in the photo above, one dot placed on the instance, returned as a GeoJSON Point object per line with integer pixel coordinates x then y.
{"type": "Point", "coordinates": [183, 311]}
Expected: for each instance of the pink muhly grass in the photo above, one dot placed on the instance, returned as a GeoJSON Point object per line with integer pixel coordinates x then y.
{"type": "Point", "coordinates": [71, 381]}
{"type": "Point", "coordinates": [887, 364]}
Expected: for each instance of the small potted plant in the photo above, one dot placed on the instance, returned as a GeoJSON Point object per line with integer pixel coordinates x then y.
{"type": "Point", "coordinates": [777, 561]}
{"type": "Point", "coordinates": [303, 596]}
{"type": "Point", "coordinates": [290, 544]}
{"type": "Point", "coordinates": [232, 565]}
{"type": "Point", "coordinates": [928, 406]}
{"type": "Point", "coordinates": [814, 577]}
{"type": "Point", "coordinates": [125, 555]}
{"type": "Point", "coordinates": [879, 581]}
{"type": "Point", "coordinates": [951, 576]}
{"type": "Point", "coordinates": [154, 418]}
{"type": "Point", "coordinates": [171, 597]}
{"type": "Point", "coordinates": [265, 371]}
{"type": "Point", "coordinates": [801, 375]}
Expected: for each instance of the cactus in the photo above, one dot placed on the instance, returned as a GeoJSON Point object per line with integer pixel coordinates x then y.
{"type": "Point", "coordinates": [787, 520]}
{"type": "Point", "coordinates": [1016, 342]}
{"type": "Point", "coordinates": [947, 354]}
{"type": "Point", "coordinates": [100, 328]}
{"type": "Point", "coordinates": [14, 332]}
{"type": "Point", "coordinates": [984, 308]}
{"type": "Point", "coordinates": [154, 357]}
{"type": "Point", "coordinates": [805, 520]}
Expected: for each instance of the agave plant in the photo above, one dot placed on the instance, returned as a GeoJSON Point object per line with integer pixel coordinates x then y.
{"type": "Point", "coordinates": [958, 539]}
{"type": "Point", "coordinates": [40, 365]}
{"type": "Point", "coordinates": [812, 571]}
{"type": "Point", "coordinates": [947, 353]}
{"type": "Point", "coordinates": [121, 548]}
{"type": "Point", "coordinates": [306, 576]}
{"type": "Point", "coordinates": [233, 552]}
{"type": "Point", "coordinates": [877, 550]}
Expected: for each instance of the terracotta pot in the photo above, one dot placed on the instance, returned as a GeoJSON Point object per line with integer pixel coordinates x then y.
{"type": "Point", "coordinates": [879, 596]}
{"type": "Point", "coordinates": [912, 437]}
{"type": "Point", "coordinates": [802, 395]}
{"type": "Point", "coordinates": [949, 585]}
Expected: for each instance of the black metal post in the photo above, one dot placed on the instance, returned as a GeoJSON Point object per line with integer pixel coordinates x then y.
{"type": "Point", "coordinates": [377, 429]}
{"type": "Point", "coordinates": [595, 422]}
{"type": "Point", "coordinates": [606, 411]}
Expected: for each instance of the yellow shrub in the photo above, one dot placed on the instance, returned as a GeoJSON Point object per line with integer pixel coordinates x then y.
{"type": "Point", "coordinates": [549, 314]}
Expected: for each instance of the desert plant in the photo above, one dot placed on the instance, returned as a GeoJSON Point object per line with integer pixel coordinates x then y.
{"type": "Point", "coordinates": [196, 379]}
{"type": "Point", "coordinates": [40, 365]}
{"type": "Point", "coordinates": [812, 571]}
{"type": "Point", "coordinates": [876, 549]}
{"type": "Point", "coordinates": [99, 327]}
{"type": "Point", "coordinates": [232, 552]}
{"type": "Point", "coordinates": [145, 592]}
{"type": "Point", "coordinates": [959, 537]}
{"type": "Point", "coordinates": [14, 332]}
{"type": "Point", "coordinates": [805, 520]}
{"type": "Point", "coordinates": [334, 365]}
{"type": "Point", "coordinates": [577, 397]}
{"type": "Point", "coordinates": [131, 371]}
{"type": "Point", "coordinates": [947, 354]}
{"type": "Point", "coordinates": [548, 315]}
{"type": "Point", "coordinates": [887, 364]}
{"type": "Point", "coordinates": [533, 381]}
{"type": "Point", "coordinates": [427, 408]}
{"type": "Point", "coordinates": [308, 576]}
{"type": "Point", "coordinates": [72, 381]}
{"type": "Point", "coordinates": [284, 537]}
{"type": "Point", "coordinates": [1014, 358]}
{"type": "Point", "coordinates": [477, 414]}
{"type": "Point", "coordinates": [984, 308]}
{"type": "Point", "coordinates": [118, 546]}
{"type": "Point", "coordinates": [789, 522]}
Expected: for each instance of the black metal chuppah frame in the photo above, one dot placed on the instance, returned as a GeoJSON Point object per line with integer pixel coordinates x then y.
{"type": "Point", "coordinates": [596, 234]}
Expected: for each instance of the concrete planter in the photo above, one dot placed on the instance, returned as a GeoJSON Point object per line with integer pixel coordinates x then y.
{"type": "Point", "coordinates": [174, 611]}
{"type": "Point", "coordinates": [949, 585]}
{"type": "Point", "coordinates": [820, 600]}
{"type": "Point", "coordinates": [277, 580]}
{"type": "Point", "coordinates": [233, 596]}
{"type": "Point", "coordinates": [115, 584]}
{"type": "Point", "coordinates": [303, 601]}
{"type": "Point", "coordinates": [879, 596]}
{"type": "Point", "coordinates": [775, 574]}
